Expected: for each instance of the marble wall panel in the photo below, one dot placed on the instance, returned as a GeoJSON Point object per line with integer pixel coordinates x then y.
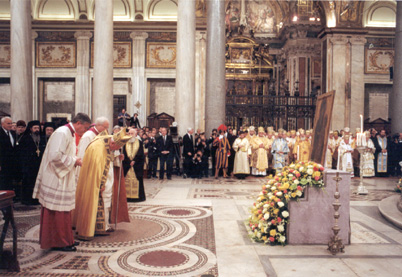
{"type": "Point", "coordinates": [5, 93]}
{"type": "Point", "coordinates": [161, 55]}
{"type": "Point", "coordinates": [59, 98]}
{"type": "Point", "coordinates": [162, 96]}
{"type": "Point", "coordinates": [378, 60]}
{"type": "Point", "coordinates": [5, 55]}
{"type": "Point", "coordinates": [376, 102]}
{"type": "Point", "coordinates": [121, 54]}
{"type": "Point", "coordinates": [56, 54]}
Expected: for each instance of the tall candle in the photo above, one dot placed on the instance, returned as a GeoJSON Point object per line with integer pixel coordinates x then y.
{"type": "Point", "coordinates": [361, 124]}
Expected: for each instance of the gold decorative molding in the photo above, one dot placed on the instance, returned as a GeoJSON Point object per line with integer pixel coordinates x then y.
{"type": "Point", "coordinates": [56, 54]}
{"type": "Point", "coordinates": [378, 60]}
{"type": "Point", "coordinates": [5, 55]}
{"type": "Point", "coordinates": [121, 54]}
{"type": "Point", "coordinates": [161, 55]}
{"type": "Point", "coordinates": [162, 36]}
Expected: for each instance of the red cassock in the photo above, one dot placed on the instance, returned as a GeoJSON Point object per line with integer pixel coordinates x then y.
{"type": "Point", "coordinates": [122, 201]}
{"type": "Point", "coordinates": [55, 229]}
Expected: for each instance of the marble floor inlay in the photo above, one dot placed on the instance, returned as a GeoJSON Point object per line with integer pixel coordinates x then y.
{"type": "Point", "coordinates": [195, 227]}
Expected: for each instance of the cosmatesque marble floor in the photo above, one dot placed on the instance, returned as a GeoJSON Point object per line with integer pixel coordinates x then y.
{"type": "Point", "coordinates": [195, 227]}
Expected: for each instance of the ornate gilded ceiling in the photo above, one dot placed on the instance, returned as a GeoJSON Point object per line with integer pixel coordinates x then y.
{"type": "Point", "coordinates": [262, 17]}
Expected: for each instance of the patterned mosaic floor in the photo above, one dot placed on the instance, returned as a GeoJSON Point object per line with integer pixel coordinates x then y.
{"type": "Point", "coordinates": [159, 241]}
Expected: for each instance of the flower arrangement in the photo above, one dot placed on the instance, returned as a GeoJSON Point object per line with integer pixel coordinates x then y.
{"type": "Point", "coordinates": [398, 187]}
{"type": "Point", "coordinates": [269, 214]}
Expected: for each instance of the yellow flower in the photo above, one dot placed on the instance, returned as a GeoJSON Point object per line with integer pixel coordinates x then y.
{"type": "Point", "coordinates": [272, 232]}
{"type": "Point", "coordinates": [264, 238]}
{"type": "Point", "coordinates": [293, 194]}
{"type": "Point", "coordinates": [276, 211]}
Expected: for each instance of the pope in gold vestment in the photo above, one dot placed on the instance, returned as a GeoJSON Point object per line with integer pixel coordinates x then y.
{"type": "Point", "coordinates": [89, 213]}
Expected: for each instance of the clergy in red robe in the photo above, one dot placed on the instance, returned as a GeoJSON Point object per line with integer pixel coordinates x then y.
{"type": "Point", "coordinates": [55, 185]}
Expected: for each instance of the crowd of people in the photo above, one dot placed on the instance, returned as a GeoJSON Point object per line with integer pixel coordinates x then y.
{"type": "Point", "coordinates": [83, 177]}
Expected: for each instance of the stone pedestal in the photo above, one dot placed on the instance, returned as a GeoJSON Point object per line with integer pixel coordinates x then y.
{"type": "Point", "coordinates": [312, 218]}
{"type": "Point", "coordinates": [21, 60]}
{"type": "Point", "coordinates": [215, 75]}
{"type": "Point", "coordinates": [82, 95]}
{"type": "Point", "coordinates": [102, 96]}
{"type": "Point", "coordinates": [138, 102]}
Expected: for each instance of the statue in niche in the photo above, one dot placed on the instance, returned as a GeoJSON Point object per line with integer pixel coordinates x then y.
{"type": "Point", "coordinates": [200, 8]}
{"type": "Point", "coordinates": [232, 17]}
{"type": "Point", "coordinates": [260, 17]}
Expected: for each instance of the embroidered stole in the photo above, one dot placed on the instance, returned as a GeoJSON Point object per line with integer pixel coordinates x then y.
{"type": "Point", "coordinates": [100, 225]}
{"type": "Point", "coordinates": [382, 161]}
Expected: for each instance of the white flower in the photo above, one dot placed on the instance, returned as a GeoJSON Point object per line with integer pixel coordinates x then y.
{"type": "Point", "coordinates": [266, 206]}
{"type": "Point", "coordinates": [281, 228]}
{"type": "Point", "coordinates": [310, 171]}
{"type": "Point", "coordinates": [270, 197]}
{"type": "Point", "coordinates": [273, 188]}
{"type": "Point", "coordinates": [270, 194]}
{"type": "Point", "coordinates": [264, 211]}
{"type": "Point", "coordinates": [299, 193]}
{"type": "Point", "coordinates": [301, 169]}
{"type": "Point", "coordinates": [280, 204]}
{"type": "Point", "coordinates": [285, 214]}
{"type": "Point", "coordinates": [261, 193]}
{"type": "Point", "coordinates": [282, 239]}
{"type": "Point", "coordinates": [266, 216]}
{"type": "Point", "coordinates": [310, 166]}
{"type": "Point", "coordinates": [296, 182]}
{"type": "Point", "coordinates": [290, 175]}
{"type": "Point", "coordinates": [292, 165]}
{"type": "Point", "coordinates": [279, 194]}
{"type": "Point", "coordinates": [259, 235]}
{"type": "Point", "coordinates": [259, 225]}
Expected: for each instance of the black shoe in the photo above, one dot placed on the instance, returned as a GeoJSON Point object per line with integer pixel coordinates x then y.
{"type": "Point", "coordinates": [76, 243]}
{"type": "Point", "coordinates": [160, 178]}
{"type": "Point", "coordinates": [185, 176]}
{"type": "Point", "coordinates": [169, 178]}
{"type": "Point", "coordinates": [70, 248]}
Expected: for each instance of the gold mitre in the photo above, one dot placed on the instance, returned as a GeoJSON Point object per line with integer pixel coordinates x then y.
{"type": "Point", "coordinates": [293, 132]}
{"type": "Point", "coordinates": [281, 131]}
{"type": "Point", "coordinates": [308, 132]}
{"type": "Point", "coordinates": [270, 129]}
{"type": "Point", "coordinates": [261, 130]}
{"type": "Point", "coordinates": [331, 132]}
{"type": "Point", "coordinates": [346, 129]}
{"type": "Point", "coordinates": [358, 130]}
{"type": "Point", "coordinates": [301, 131]}
{"type": "Point", "coordinates": [251, 128]}
{"type": "Point", "coordinates": [121, 138]}
{"type": "Point", "coordinates": [275, 134]}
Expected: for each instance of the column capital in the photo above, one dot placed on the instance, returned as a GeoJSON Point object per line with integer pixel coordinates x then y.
{"type": "Point", "coordinates": [34, 34]}
{"type": "Point", "coordinates": [200, 36]}
{"type": "Point", "coordinates": [358, 40]}
{"type": "Point", "coordinates": [339, 40]}
{"type": "Point", "coordinates": [83, 35]}
{"type": "Point", "coordinates": [139, 35]}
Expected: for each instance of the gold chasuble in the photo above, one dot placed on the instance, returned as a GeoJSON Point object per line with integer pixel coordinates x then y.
{"type": "Point", "coordinates": [132, 183]}
{"type": "Point", "coordinates": [89, 216]}
{"type": "Point", "coordinates": [302, 150]}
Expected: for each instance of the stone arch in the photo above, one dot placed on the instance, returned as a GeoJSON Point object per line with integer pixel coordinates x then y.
{"type": "Point", "coordinates": [162, 10]}
{"type": "Point", "coordinates": [379, 14]}
{"type": "Point", "coordinates": [122, 10]}
{"type": "Point", "coordinates": [55, 10]}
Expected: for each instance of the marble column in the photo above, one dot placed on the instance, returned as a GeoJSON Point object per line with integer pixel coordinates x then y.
{"type": "Point", "coordinates": [215, 63]}
{"type": "Point", "coordinates": [336, 79]}
{"type": "Point", "coordinates": [200, 81]}
{"type": "Point", "coordinates": [35, 95]}
{"type": "Point", "coordinates": [185, 66]}
{"type": "Point", "coordinates": [396, 95]}
{"type": "Point", "coordinates": [357, 81]}
{"type": "Point", "coordinates": [102, 95]}
{"type": "Point", "coordinates": [21, 60]}
{"type": "Point", "coordinates": [82, 81]}
{"type": "Point", "coordinates": [138, 99]}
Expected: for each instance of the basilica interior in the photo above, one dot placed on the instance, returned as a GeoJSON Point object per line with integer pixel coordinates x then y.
{"type": "Point", "coordinates": [279, 56]}
{"type": "Point", "coordinates": [202, 63]}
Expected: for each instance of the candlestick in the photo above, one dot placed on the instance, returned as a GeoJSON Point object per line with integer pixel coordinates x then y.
{"type": "Point", "coordinates": [361, 123]}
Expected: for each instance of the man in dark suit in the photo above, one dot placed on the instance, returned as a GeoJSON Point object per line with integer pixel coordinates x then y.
{"type": "Point", "coordinates": [165, 149]}
{"type": "Point", "coordinates": [7, 154]}
{"type": "Point", "coordinates": [135, 122]}
{"type": "Point", "coordinates": [152, 154]}
{"type": "Point", "coordinates": [188, 152]}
